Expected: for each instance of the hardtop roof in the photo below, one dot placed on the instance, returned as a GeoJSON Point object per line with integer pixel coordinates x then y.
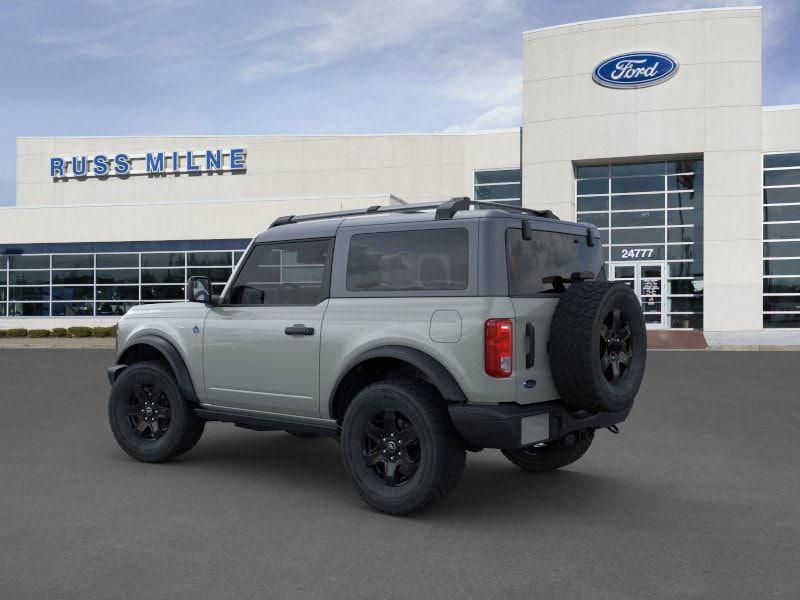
{"type": "Point", "coordinates": [326, 224]}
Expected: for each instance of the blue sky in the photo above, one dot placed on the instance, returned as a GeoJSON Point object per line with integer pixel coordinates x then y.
{"type": "Point", "coordinates": [153, 67]}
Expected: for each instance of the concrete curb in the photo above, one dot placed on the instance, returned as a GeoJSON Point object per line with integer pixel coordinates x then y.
{"type": "Point", "coordinates": [56, 343]}
{"type": "Point", "coordinates": [754, 347]}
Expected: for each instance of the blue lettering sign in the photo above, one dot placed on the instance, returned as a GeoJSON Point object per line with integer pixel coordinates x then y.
{"type": "Point", "coordinates": [237, 159]}
{"type": "Point", "coordinates": [154, 163]}
{"type": "Point", "coordinates": [635, 70]}
{"type": "Point", "coordinates": [122, 166]}
{"type": "Point", "coordinates": [56, 167]}
{"type": "Point", "coordinates": [190, 166]}
{"type": "Point", "coordinates": [213, 160]}
{"type": "Point", "coordinates": [100, 163]}
{"type": "Point", "coordinates": [79, 166]}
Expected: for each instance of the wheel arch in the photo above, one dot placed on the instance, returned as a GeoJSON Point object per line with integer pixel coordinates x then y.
{"type": "Point", "coordinates": [154, 347]}
{"type": "Point", "coordinates": [373, 364]}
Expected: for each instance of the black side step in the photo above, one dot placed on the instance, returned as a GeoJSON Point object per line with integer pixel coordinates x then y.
{"type": "Point", "coordinates": [260, 423]}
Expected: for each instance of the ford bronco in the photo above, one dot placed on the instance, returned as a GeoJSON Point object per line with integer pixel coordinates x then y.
{"type": "Point", "coordinates": [410, 333]}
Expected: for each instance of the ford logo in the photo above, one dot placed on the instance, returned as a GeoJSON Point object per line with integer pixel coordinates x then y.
{"type": "Point", "coordinates": [635, 70]}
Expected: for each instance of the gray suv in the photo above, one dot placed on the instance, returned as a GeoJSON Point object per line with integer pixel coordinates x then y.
{"type": "Point", "coordinates": [411, 334]}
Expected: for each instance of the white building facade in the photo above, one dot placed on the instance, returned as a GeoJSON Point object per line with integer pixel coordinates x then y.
{"type": "Point", "coordinates": [693, 183]}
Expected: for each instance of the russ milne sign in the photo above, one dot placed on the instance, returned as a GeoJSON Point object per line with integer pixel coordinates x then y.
{"type": "Point", "coordinates": [635, 70]}
{"type": "Point", "coordinates": [152, 163]}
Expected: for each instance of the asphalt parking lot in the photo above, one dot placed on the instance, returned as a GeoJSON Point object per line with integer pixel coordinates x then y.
{"type": "Point", "coordinates": [698, 497]}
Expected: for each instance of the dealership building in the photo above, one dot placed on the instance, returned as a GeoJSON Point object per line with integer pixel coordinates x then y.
{"type": "Point", "coordinates": [651, 127]}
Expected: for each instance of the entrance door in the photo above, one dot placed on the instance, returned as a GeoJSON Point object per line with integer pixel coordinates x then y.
{"type": "Point", "coordinates": [647, 279]}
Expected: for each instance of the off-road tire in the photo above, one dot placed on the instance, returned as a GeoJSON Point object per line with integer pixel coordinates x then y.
{"type": "Point", "coordinates": [441, 451]}
{"type": "Point", "coordinates": [576, 346]}
{"type": "Point", "coordinates": [551, 456]}
{"type": "Point", "coordinates": [184, 428]}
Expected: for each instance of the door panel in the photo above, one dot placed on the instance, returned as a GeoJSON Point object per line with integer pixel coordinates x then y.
{"type": "Point", "coordinates": [261, 346]}
{"type": "Point", "coordinates": [251, 363]}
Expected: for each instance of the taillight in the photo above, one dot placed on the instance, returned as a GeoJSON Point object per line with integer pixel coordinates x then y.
{"type": "Point", "coordinates": [498, 348]}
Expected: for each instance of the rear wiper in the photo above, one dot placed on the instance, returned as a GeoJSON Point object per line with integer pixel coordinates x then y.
{"type": "Point", "coordinates": [558, 282]}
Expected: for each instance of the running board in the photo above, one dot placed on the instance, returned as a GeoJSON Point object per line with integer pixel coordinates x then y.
{"type": "Point", "coordinates": [326, 427]}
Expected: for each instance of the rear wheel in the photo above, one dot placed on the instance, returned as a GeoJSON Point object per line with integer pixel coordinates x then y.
{"type": "Point", "coordinates": [399, 446]}
{"type": "Point", "coordinates": [149, 417]}
{"type": "Point", "coordinates": [540, 458]}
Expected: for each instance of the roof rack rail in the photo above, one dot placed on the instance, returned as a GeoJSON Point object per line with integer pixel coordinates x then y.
{"type": "Point", "coordinates": [447, 209]}
{"type": "Point", "coordinates": [444, 210]}
{"type": "Point", "coordinates": [285, 220]}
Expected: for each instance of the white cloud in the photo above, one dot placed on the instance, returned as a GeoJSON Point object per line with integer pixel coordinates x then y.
{"type": "Point", "coordinates": [331, 35]}
{"type": "Point", "coordinates": [497, 117]}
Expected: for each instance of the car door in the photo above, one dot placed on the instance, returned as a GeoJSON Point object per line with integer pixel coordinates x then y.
{"type": "Point", "coordinates": [261, 344]}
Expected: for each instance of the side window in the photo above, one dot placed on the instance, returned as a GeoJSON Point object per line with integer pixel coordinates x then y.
{"type": "Point", "coordinates": [429, 259]}
{"type": "Point", "coordinates": [284, 273]}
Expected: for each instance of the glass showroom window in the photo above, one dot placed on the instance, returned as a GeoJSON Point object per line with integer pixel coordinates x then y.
{"type": "Point", "coordinates": [650, 214]}
{"type": "Point", "coordinates": [103, 284]}
{"type": "Point", "coordinates": [781, 301]}
{"type": "Point", "coordinates": [501, 185]}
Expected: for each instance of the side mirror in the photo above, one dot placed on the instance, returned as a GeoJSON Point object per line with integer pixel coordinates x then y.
{"type": "Point", "coordinates": [198, 289]}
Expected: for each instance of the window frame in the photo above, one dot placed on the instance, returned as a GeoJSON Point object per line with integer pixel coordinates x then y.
{"type": "Point", "coordinates": [771, 318]}
{"type": "Point", "coordinates": [326, 274]}
{"type": "Point", "coordinates": [687, 166]}
{"type": "Point", "coordinates": [510, 201]}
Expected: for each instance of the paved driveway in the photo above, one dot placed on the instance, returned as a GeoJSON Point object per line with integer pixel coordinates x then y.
{"type": "Point", "coordinates": [697, 498]}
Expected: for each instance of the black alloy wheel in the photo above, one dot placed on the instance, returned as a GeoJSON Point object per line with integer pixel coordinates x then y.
{"type": "Point", "coordinates": [149, 416]}
{"type": "Point", "coordinates": [615, 346]}
{"type": "Point", "coordinates": [399, 446]}
{"type": "Point", "coordinates": [391, 447]}
{"type": "Point", "coordinates": [149, 412]}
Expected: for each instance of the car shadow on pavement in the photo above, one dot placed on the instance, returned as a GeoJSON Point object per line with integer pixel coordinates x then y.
{"type": "Point", "coordinates": [491, 490]}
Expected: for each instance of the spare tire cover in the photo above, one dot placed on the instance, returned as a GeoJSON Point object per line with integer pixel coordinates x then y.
{"type": "Point", "coordinates": [598, 346]}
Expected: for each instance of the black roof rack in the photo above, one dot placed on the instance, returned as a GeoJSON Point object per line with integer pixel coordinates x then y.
{"type": "Point", "coordinates": [444, 210]}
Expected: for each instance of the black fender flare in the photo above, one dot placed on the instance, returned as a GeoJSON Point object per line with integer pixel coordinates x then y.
{"type": "Point", "coordinates": [164, 347]}
{"type": "Point", "coordinates": [438, 375]}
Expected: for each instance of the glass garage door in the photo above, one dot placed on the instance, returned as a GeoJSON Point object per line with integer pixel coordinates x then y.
{"type": "Point", "coordinates": [651, 213]}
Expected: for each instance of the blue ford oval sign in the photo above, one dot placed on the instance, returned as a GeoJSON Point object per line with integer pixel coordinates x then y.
{"type": "Point", "coordinates": [635, 70]}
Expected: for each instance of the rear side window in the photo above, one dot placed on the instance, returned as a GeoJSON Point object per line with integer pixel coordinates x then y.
{"type": "Point", "coordinates": [284, 273]}
{"type": "Point", "coordinates": [548, 254]}
{"type": "Point", "coordinates": [401, 261]}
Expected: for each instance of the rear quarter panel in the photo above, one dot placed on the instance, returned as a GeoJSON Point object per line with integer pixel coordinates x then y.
{"type": "Point", "coordinates": [353, 326]}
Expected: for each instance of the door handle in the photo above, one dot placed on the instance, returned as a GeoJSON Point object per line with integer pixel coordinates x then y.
{"type": "Point", "coordinates": [530, 343]}
{"type": "Point", "coordinates": [299, 329]}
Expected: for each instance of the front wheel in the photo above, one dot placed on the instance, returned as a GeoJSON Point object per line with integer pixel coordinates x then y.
{"type": "Point", "coordinates": [540, 458]}
{"type": "Point", "coordinates": [399, 446]}
{"type": "Point", "coordinates": [149, 417]}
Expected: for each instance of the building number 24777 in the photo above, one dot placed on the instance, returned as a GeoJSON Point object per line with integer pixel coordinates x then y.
{"type": "Point", "coordinates": [637, 252]}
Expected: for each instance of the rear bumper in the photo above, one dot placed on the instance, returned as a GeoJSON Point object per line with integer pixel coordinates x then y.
{"type": "Point", "coordinates": [513, 426]}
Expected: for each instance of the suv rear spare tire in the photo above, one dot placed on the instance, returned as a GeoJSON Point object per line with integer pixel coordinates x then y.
{"type": "Point", "coordinates": [598, 346]}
